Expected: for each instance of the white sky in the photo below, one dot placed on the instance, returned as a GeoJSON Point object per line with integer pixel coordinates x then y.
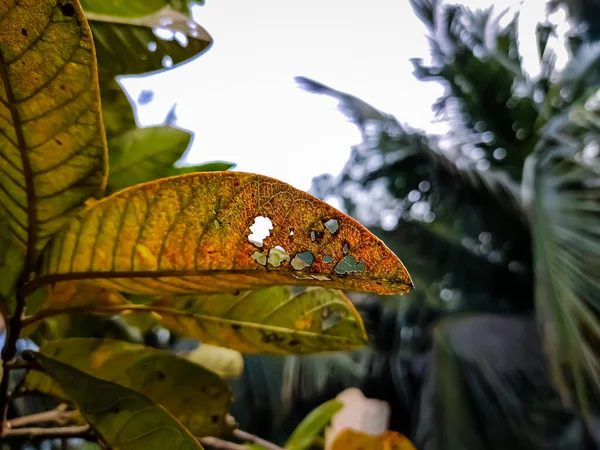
{"type": "Point", "coordinates": [240, 98]}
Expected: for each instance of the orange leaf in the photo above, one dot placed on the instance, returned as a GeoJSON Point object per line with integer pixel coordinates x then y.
{"type": "Point", "coordinates": [355, 440]}
{"type": "Point", "coordinates": [201, 233]}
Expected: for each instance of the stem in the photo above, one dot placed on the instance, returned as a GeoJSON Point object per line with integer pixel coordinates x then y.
{"type": "Point", "coordinates": [13, 330]}
{"type": "Point", "coordinates": [60, 416]}
{"type": "Point", "coordinates": [220, 444]}
{"type": "Point", "coordinates": [245, 436]}
{"type": "Point", "coordinates": [82, 431]}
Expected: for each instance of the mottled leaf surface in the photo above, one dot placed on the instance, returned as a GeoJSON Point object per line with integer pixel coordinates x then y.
{"type": "Point", "coordinates": [190, 234]}
{"type": "Point", "coordinates": [144, 154]}
{"type": "Point", "coordinates": [269, 320]}
{"type": "Point", "coordinates": [197, 397]}
{"type": "Point", "coordinates": [355, 440]}
{"type": "Point", "coordinates": [136, 45]}
{"type": "Point", "coordinates": [52, 145]}
{"type": "Point", "coordinates": [125, 419]}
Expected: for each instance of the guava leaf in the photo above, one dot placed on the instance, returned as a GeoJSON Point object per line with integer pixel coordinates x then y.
{"type": "Point", "coordinates": [201, 233]}
{"type": "Point", "coordinates": [52, 145]}
{"type": "Point", "coordinates": [312, 425]}
{"type": "Point", "coordinates": [194, 395]}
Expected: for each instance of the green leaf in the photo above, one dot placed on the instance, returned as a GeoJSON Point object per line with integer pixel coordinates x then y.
{"type": "Point", "coordinates": [269, 320]}
{"type": "Point", "coordinates": [313, 424]}
{"type": "Point", "coordinates": [144, 154]}
{"type": "Point", "coordinates": [52, 144]}
{"type": "Point", "coordinates": [130, 8]}
{"type": "Point", "coordinates": [125, 419]}
{"type": "Point", "coordinates": [216, 166]}
{"type": "Point", "coordinates": [566, 201]}
{"type": "Point", "coordinates": [197, 397]}
{"type": "Point", "coordinates": [117, 110]}
{"type": "Point", "coordinates": [227, 363]}
{"type": "Point", "coordinates": [136, 45]}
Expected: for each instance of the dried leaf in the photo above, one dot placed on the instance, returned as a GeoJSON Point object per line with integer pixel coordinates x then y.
{"type": "Point", "coordinates": [355, 440]}
{"type": "Point", "coordinates": [269, 320]}
{"type": "Point", "coordinates": [197, 397]}
{"type": "Point", "coordinates": [73, 294]}
{"type": "Point", "coordinates": [227, 363]}
{"type": "Point", "coordinates": [125, 419]}
{"type": "Point", "coordinates": [51, 137]}
{"type": "Point", "coordinates": [190, 234]}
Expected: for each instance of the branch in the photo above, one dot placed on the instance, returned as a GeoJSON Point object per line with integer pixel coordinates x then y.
{"type": "Point", "coordinates": [220, 444]}
{"type": "Point", "coordinates": [13, 330]}
{"type": "Point", "coordinates": [60, 416]}
{"type": "Point", "coordinates": [245, 436]}
{"type": "Point", "coordinates": [81, 431]}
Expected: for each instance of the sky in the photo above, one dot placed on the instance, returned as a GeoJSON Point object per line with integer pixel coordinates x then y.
{"type": "Point", "coordinates": [242, 103]}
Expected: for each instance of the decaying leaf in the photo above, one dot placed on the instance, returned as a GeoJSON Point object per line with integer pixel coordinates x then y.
{"type": "Point", "coordinates": [355, 440]}
{"type": "Point", "coordinates": [190, 234]}
{"type": "Point", "coordinates": [268, 320]}
{"type": "Point", "coordinates": [227, 363]}
{"type": "Point", "coordinates": [125, 419]}
{"type": "Point", "coordinates": [52, 144]}
{"type": "Point", "coordinates": [197, 397]}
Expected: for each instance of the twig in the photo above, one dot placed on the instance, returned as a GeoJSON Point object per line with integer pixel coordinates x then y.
{"type": "Point", "coordinates": [220, 444]}
{"type": "Point", "coordinates": [60, 416]}
{"type": "Point", "coordinates": [13, 330]}
{"type": "Point", "coordinates": [245, 436]}
{"type": "Point", "coordinates": [82, 431]}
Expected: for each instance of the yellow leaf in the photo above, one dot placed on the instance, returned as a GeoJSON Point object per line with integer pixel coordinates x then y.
{"type": "Point", "coordinates": [204, 232]}
{"type": "Point", "coordinates": [74, 294]}
{"type": "Point", "coordinates": [355, 440]}
{"type": "Point", "coordinates": [267, 320]}
{"type": "Point", "coordinates": [52, 143]}
{"type": "Point", "coordinates": [125, 419]}
{"type": "Point", "coordinates": [227, 363]}
{"type": "Point", "coordinates": [197, 397]}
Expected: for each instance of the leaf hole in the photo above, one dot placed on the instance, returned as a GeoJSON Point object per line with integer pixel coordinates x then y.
{"type": "Point", "coordinates": [345, 248]}
{"type": "Point", "coordinates": [291, 231]}
{"type": "Point", "coordinates": [302, 260]}
{"type": "Point", "coordinates": [261, 229]}
{"type": "Point", "coordinates": [277, 255]}
{"type": "Point", "coordinates": [332, 225]}
{"type": "Point", "coordinates": [313, 236]}
{"type": "Point", "coordinates": [67, 9]}
{"type": "Point", "coordinates": [259, 258]}
{"type": "Point", "coordinates": [349, 265]}
{"type": "Point", "coordinates": [328, 259]}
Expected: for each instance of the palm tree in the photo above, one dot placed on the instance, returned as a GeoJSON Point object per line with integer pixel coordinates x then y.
{"type": "Point", "coordinates": [498, 221]}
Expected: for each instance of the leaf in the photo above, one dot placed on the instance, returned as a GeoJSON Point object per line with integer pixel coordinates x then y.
{"type": "Point", "coordinates": [567, 253]}
{"type": "Point", "coordinates": [117, 110]}
{"type": "Point", "coordinates": [268, 320]}
{"type": "Point", "coordinates": [197, 397]}
{"type": "Point", "coordinates": [215, 166]}
{"type": "Point", "coordinates": [73, 294]}
{"type": "Point", "coordinates": [190, 234]}
{"type": "Point", "coordinates": [131, 8]}
{"type": "Point", "coordinates": [144, 154]}
{"type": "Point", "coordinates": [313, 424]}
{"type": "Point", "coordinates": [227, 363]}
{"type": "Point", "coordinates": [52, 144]}
{"type": "Point", "coordinates": [356, 440]}
{"type": "Point", "coordinates": [136, 45]}
{"type": "Point", "coordinates": [125, 419]}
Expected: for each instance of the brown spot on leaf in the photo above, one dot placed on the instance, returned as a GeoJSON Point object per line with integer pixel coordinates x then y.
{"type": "Point", "coordinates": [67, 9]}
